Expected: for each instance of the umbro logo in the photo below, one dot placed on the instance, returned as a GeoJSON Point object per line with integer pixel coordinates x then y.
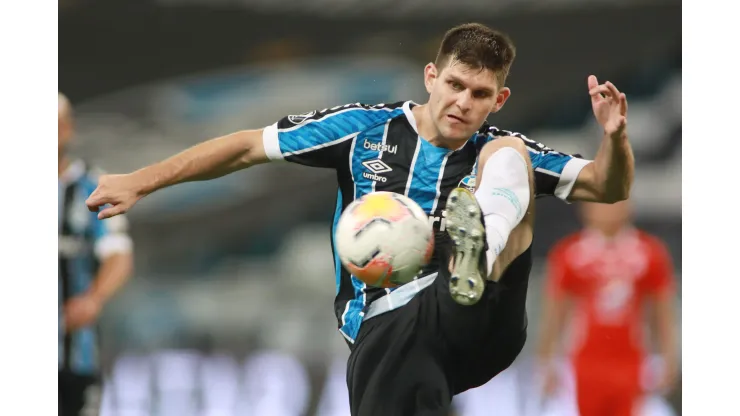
{"type": "Point", "coordinates": [375, 166]}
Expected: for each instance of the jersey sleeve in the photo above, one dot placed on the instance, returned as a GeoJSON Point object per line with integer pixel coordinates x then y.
{"type": "Point", "coordinates": [111, 236]}
{"type": "Point", "coordinates": [659, 276]}
{"type": "Point", "coordinates": [321, 138]}
{"type": "Point", "coordinates": [555, 172]}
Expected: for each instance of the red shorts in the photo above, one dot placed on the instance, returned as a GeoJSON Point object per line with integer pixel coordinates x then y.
{"type": "Point", "coordinates": [607, 390]}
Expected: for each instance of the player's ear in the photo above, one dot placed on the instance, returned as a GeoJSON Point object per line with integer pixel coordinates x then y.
{"type": "Point", "coordinates": [430, 75]}
{"type": "Point", "coordinates": [501, 98]}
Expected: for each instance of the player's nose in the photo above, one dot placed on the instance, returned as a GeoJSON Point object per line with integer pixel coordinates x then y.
{"type": "Point", "coordinates": [464, 101]}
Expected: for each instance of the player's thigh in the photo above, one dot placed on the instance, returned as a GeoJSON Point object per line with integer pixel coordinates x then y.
{"type": "Point", "coordinates": [396, 367]}
{"type": "Point", "coordinates": [78, 394]}
{"type": "Point", "coordinates": [481, 363]}
{"type": "Point", "coordinates": [503, 334]}
{"type": "Point", "coordinates": [506, 333]}
{"type": "Point", "coordinates": [510, 293]}
{"type": "Point", "coordinates": [460, 326]}
{"type": "Point", "coordinates": [485, 338]}
{"type": "Point", "coordinates": [502, 308]}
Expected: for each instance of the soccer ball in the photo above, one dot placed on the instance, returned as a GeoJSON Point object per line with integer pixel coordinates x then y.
{"type": "Point", "coordinates": [384, 239]}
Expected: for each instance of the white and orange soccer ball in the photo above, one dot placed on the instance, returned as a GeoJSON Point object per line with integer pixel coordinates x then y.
{"type": "Point", "coordinates": [384, 239]}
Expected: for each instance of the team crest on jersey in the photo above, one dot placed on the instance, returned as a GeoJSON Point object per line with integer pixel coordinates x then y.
{"type": "Point", "coordinates": [468, 183]}
{"type": "Point", "coordinates": [300, 118]}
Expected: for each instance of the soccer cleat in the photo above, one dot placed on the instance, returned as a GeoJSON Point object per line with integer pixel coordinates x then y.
{"type": "Point", "coordinates": [467, 233]}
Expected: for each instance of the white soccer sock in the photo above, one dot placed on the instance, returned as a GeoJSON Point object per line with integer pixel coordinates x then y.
{"type": "Point", "coordinates": [503, 196]}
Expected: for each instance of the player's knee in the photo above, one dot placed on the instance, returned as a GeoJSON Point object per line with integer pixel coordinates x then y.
{"type": "Point", "coordinates": [509, 141]}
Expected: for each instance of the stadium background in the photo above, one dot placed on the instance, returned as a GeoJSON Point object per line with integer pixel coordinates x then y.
{"type": "Point", "coordinates": [230, 309]}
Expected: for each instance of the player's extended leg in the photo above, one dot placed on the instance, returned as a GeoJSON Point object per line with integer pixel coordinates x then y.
{"type": "Point", "coordinates": [504, 198]}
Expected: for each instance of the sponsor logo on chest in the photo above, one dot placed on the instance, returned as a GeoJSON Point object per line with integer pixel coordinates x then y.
{"type": "Point", "coordinates": [379, 147]}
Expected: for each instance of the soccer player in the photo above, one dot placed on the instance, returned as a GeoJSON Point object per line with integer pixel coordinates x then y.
{"type": "Point", "coordinates": [95, 260]}
{"type": "Point", "coordinates": [414, 347]}
{"type": "Point", "coordinates": [610, 270]}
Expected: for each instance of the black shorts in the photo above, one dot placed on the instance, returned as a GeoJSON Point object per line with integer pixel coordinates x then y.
{"type": "Point", "coordinates": [78, 392]}
{"type": "Point", "coordinates": [412, 360]}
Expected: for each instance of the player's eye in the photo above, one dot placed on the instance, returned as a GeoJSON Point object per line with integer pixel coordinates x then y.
{"type": "Point", "coordinates": [481, 94]}
{"type": "Point", "coordinates": [456, 86]}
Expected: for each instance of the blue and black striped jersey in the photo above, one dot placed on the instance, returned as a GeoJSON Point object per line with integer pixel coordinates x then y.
{"type": "Point", "coordinates": [83, 242]}
{"type": "Point", "coordinates": [378, 148]}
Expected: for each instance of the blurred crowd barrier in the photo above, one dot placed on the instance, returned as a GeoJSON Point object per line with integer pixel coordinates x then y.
{"type": "Point", "coordinates": [273, 383]}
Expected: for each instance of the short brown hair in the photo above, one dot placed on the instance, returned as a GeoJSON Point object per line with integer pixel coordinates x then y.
{"type": "Point", "coordinates": [478, 46]}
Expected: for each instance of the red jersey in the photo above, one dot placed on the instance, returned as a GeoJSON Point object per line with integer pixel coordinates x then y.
{"type": "Point", "coordinates": [608, 280]}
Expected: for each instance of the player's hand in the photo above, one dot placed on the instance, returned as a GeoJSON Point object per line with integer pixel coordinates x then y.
{"type": "Point", "coordinates": [119, 191]}
{"type": "Point", "coordinates": [81, 311]}
{"type": "Point", "coordinates": [610, 107]}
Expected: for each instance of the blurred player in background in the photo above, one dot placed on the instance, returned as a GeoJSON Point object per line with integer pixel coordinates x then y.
{"type": "Point", "coordinates": [464, 320]}
{"type": "Point", "coordinates": [609, 271]}
{"type": "Point", "coordinates": [95, 260]}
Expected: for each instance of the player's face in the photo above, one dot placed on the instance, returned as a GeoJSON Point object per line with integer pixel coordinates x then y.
{"type": "Point", "coordinates": [607, 218]}
{"type": "Point", "coordinates": [461, 97]}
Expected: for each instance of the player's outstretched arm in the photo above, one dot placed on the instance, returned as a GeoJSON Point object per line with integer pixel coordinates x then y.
{"type": "Point", "coordinates": [208, 160]}
{"type": "Point", "coordinates": [609, 178]}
